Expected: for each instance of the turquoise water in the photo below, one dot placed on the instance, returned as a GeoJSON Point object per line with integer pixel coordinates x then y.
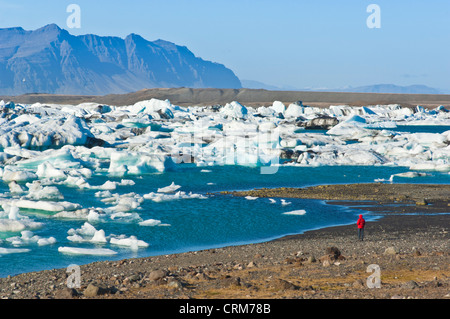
{"type": "Point", "coordinates": [421, 128]}
{"type": "Point", "coordinates": [218, 220]}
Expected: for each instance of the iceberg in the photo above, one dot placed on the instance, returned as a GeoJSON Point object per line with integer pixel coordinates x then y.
{"type": "Point", "coordinates": [44, 150]}
{"type": "Point", "coordinates": [12, 225]}
{"type": "Point", "coordinates": [15, 188]}
{"type": "Point", "coordinates": [132, 163]}
{"type": "Point", "coordinates": [284, 202]}
{"type": "Point", "coordinates": [11, 175]}
{"type": "Point", "coordinates": [87, 251]}
{"type": "Point", "coordinates": [47, 206]}
{"type": "Point", "coordinates": [234, 110]}
{"type": "Point", "coordinates": [158, 109]}
{"type": "Point", "coordinates": [294, 111]}
{"type": "Point", "coordinates": [159, 197]}
{"type": "Point", "coordinates": [151, 223]}
{"type": "Point", "coordinates": [27, 237]}
{"type": "Point", "coordinates": [45, 133]}
{"type": "Point", "coordinates": [38, 192]}
{"type": "Point", "coordinates": [47, 170]}
{"type": "Point", "coordinates": [6, 251]}
{"type": "Point", "coordinates": [299, 212]}
{"type": "Point", "coordinates": [131, 242]}
{"type": "Point", "coordinates": [169, 189]}
{"type": "Point", "coordinates": [278, 107]}
{"type": "Point", "coordinates": [99, 237]}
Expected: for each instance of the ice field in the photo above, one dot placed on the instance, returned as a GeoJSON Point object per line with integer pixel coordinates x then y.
{"type": "Point", "coordinates": [92, 182]}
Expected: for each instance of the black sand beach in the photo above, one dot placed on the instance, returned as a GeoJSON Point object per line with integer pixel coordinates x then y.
{"type": "Point", "coordinates": [412, 252]}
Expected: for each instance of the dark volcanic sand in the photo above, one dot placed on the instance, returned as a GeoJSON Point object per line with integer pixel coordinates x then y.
{"type": "Point", "coordinates": [412, 251]}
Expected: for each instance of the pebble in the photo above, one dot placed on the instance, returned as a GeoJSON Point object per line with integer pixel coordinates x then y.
{"type": "Point", "coordinates": [186, 273]}
{"type": "Point", "coordinates": [156, 275]}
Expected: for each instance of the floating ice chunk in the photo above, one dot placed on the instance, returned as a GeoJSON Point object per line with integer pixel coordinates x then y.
{"type": "Point", "coordinates": [59, 159]}
{"type": "Point", "coordinates": [21, 152]}
{"type": "Point", "coordinates": [15, 188]}
{"type": "Point", "coordinates": [131, 242]}
{"type": "Point", "coordinates": [278, 107]}
{"type": "Point", "coordinates": [27, 237]}
{"type": "Point", "coordinates": [352, 127]}
{"type": "Point", "coordinates": [83, 172]}
{"type": "Point", "coordinates": [234, 110]}
{"type": "Point", "coordinates": [169, 189]}
{"type": "Point", "coordinates": [250, 197]}
{"type": "Point", "coordinates": [125, 206]}
{"type": "Point", "coordinates": [272, 201]}
{"type": "Point", "coordinates": [99, 237]}
{"type": "Point", "coordinates": [75, 214]}
{"type": "Point", "coordinates": [266, 111]}
{"type": "Point", "coordinates": [94, 215]}
{"type": "Point", "coordinates": [87, 233]}
{"type": "Point", "coordinates": [428, 139]}
{"type": "Point", "coordinates": [86, 230]}
{"type": "Point", "coordinates": [47, 170]}
{"type": "Point", "coordinates": [126, 182]}
{"type": "Point", "coordinates": [379, 180]}
{"type": "Point", "coordinates": [239, 128]}
{"type": "Point", "coordinates": [285, 203]}
{"type": "Point", "coordinates": [76, 238]}
{"type": "Point", "coordinates": [13, 212]}
{"type": "Point", "coordinates": [74, 181]}
{"type": "Point", "coordinates": [290, 142]}
{"type": "Point", "coordinates": [362, 157]}
{"type": "Point", "coordinates": [103, 194]}
{"type": "Point", "coordinates": [46, 241]}
{"type": "Point", "coordinates": [158, 109]}
{"type": "Point", "coordinates": [18, 175]}
{"type": "Point", "coordinates": [37, 192]}
{"type": "Point", "coordinates": [442, 167]}
{"type": "Point", "coordinates": [46, 132]}
{"type": "Point", "coordinates": [87, 251]}
{"type": "Point", "coordinates": [48, 206]}
{"type": "Point", "coordinates": [150, 222]}
{"type": "Point", "coordinates": [158, 197]}
{"type": "Point", "coordinates": [6, 251]}
{"type": "Point", "coordinates": [296, 212]}
{"type": "Point", "coordinates": [125, 217]}
{"type": "Point", "coordinates": [267, 127]}
{"type": "Point", "coordinates": [132, 163]}
{"type": "Point", "coordinates": [108, 185]}
{"type": "Point", "coordinates": [11, 225]}
{"type": "Point", "coordinates": [411, 174]}
{"type": "Point", "coordinates": [293, 111]}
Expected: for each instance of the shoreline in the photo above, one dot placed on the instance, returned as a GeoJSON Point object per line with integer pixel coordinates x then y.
{"type": "Point", "coordinates": [251, 97]}
{"type": "Point", "coordinates": [293, 266]}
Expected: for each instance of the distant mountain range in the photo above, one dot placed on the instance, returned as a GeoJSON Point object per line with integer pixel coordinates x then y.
{"type": "Point", "coordinates": [392, 88]}
{"type": "Point", "coordinates": [377, 88]}
{"type": "Point", "coordinates": [51, 60]}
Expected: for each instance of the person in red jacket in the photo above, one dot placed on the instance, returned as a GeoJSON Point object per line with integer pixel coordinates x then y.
{"type": "Point", "coordinates": [361, 223]}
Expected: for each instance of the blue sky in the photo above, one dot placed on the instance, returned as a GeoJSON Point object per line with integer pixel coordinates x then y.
{"type": "Point", "coordinates": [291, 43]}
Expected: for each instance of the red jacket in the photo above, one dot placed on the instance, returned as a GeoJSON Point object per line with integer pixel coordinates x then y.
{"type": "Point", "coordinates": [361, 222]}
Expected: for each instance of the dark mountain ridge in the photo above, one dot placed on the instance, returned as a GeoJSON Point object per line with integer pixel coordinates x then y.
{"type": "Point", "coordinates": [51, 60]}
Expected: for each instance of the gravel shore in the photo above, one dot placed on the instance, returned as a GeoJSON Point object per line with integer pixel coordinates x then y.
{"type": "Point", "coordinates": [412, 252]}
